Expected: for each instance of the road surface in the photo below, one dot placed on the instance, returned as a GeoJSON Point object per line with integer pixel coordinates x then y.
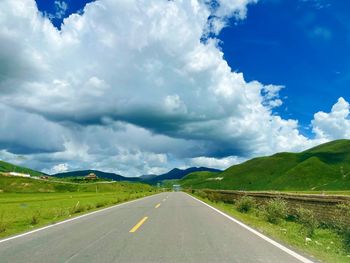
{"type": "Point", "coordinates": [168, 227]}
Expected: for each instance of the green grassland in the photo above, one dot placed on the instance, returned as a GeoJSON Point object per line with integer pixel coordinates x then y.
{"type": "Point", "coordinates": [27, 203]}
{"type": "Point", "coordinates": [325, 244]}
{"type": "Point", "coordinates": [323, 168]}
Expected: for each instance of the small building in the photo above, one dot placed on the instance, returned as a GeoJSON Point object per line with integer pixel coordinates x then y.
{"type": "Point", "coordinates": [19, 174]}
{"type": "Point", "coordinates": [91, 176]}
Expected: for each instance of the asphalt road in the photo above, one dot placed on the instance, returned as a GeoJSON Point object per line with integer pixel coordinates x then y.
{"type": "Point", "coordinates": [168, 227]}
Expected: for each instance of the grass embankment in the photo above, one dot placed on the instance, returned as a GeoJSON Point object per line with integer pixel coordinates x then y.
{"type": "Point", "coordinates": [302, 234]}
{"type": "Point", "coordinates": [26, 204]}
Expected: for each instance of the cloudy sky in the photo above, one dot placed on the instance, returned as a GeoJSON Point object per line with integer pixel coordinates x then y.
{"type": "Point", "coordinates": [142, 86]}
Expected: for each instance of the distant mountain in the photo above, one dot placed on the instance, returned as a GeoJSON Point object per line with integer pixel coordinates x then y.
{"type": "Point", "coordinates": [147, 177]}
{"type": "Point", "coordinates": [112, 176]}
{"type": "Point", "coordinates": [151, 178]}
{"type": "Point", "coordinates": [8, 167]}
{"type": "Point", "coordinates": [177, 173]}
{"type": "Point", "coordinates": [325, 167]}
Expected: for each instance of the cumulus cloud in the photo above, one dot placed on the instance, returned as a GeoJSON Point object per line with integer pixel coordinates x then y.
{"type": "Point", "coordinates": [22, 132]}
{"type": "Point", "coordinates": [218, 163]}
{"type": "Point", "coordinates": [132, 87]}
{"type": "Point", "coordinates": [335, 124]}
{"type": "Point", "coordinates": [58, 168]}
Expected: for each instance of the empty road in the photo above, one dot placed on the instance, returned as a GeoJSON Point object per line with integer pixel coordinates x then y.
{"type": "Point", "coordinates": [168, 227]}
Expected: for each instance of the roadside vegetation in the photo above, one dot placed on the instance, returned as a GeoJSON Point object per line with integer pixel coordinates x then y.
{"type": "Point", "coordinates": [27, 203]}
{"type": "Point", "coordinates": [298, 228]}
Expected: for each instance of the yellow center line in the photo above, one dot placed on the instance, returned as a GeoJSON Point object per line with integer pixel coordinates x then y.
{"type": "Point", "coordinates": [138, 225]}
{"type": "Point", "coordinates": [157, 206]}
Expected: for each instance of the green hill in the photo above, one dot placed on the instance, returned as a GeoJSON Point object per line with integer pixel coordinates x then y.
{"type": "Point", "coordinates": [8, 167]}
{"type": "Point", "coordinates": [325, 167]}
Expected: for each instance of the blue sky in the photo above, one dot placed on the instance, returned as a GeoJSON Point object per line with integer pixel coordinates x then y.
{"type": "Point", "coordinates": [59, 9]}
{"type": "Point", "coordinates": [302, 45]}
{"type": "Point", "coordinates": [140, 87]}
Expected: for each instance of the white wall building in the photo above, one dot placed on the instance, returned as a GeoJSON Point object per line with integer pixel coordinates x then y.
{"type": "Point", "coordinates": [19, 174]}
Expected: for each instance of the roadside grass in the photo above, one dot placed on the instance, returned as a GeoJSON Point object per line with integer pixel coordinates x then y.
{"type": "Point", "coordinates": [26, 204]}
{"type": "Point", "coordinates": [28, 185]}
{"type": "Point", "coordinates": [325, 244]}
{"type": "Point", "coordinates": [23, 212]}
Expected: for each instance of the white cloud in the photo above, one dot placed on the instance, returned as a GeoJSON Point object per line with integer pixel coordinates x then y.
{"type": "Point", "coordinates": [333, 125]}
{"type": "Point", "coordinates": [59, 168]}
{"type": "Point", "coordinates": [218, 163]}
{"type": "Point", "coordinates": [129, 87]}
{"type": "Point", "coordinates": [224, 9]}
{"type": "Point", "coordinates": [23, 132]}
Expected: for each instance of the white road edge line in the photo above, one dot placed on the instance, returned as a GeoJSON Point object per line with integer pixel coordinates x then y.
{"type": "Point", "coordinates": [276, 244]}
{"type": "Point", "coordinates": [73, 219]}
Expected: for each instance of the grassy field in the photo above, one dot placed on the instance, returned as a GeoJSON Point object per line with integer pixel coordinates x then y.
{"type": "Point", "coordinates": [26, 204]}
{"type": "Point", "coordinates": [323, 168]}
{"type": "Point", "coordinates": [325, 244]}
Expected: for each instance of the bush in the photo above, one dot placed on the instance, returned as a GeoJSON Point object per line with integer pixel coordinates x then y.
{"type": "Point", "coordinates": [77, 208]}
{"type": "Point", "coordinates": [245, 204]}
{"type": "Point", "coordinates": [275, 210]}
{"type": "Point", "coordinates": [61, 212]}
{"type": "Point", "coordinates": [202, 194]}
{"type": "Point", "coordinates": [90, 206]}
{"type": "Point", "coordinates": [3, 225]}
{"type": "Point", "coordinates": [341, 216]}
{"type": "Point", "coordinates": [101, 204]}
{"type": "Point", "coordinates": [307, 218]}
{"type": "Point", "coordinates": [340, 219]}
{"type": "Point", "coordinates": [346, 238]}
{"type": "Point", "coordinates": [35, 218]}
{"type": "Point", "coordinates": [80, 209]}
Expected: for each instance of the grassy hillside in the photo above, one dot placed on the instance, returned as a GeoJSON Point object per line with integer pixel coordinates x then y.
{"type": "Point", "coordinates": [197, 179]}
{"type": "Point", "coordinates": [325, 167]}
{"type": "Point", "coordinates": [27, 185]}
{"type": "Point", "coordinates": [8, 167]}
{"type": "Point", "coordinates": [177, 173]}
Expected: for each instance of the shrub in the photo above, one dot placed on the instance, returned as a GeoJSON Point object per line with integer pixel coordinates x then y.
{"type": "Point", "coordinates": [90, 206]}
{"type": "Point", "coordinates": [79, 209]}
{"type": "Point", "coordinates": [275, 210]}
{"type": "Point", "coordinates": [346, 238]}
{"type": "Point", "coordinates": [3, 225]}
{"type": "Point", "coordinates": [245, 204]}
{"type": "Point", "coordinates": [341, 216]}
{"type": "Point", "coordinates": [202, 194]}
{"type": "Point", "coordinates": [101, 204]}
{"type": "Point", "coordinates": [35, 218]}
{"type": "Point", "coordinates": [307, 218]}
{"type": "Point", "coordinates": [60, 212]}
{"type": "Point", "coordinates": [340, 219]}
